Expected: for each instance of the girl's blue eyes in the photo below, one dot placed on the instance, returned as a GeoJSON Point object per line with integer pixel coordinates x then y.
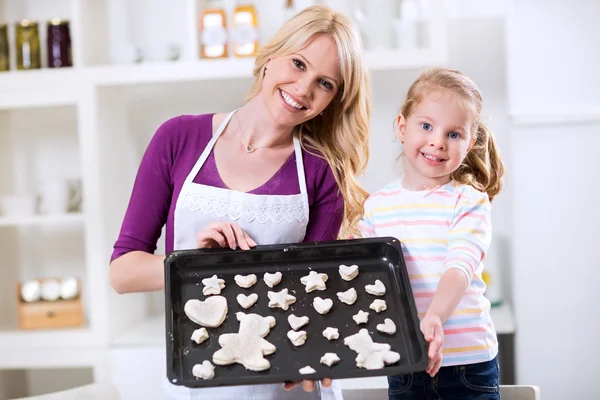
{"type": "Point", "coordinates": [428, 127]}
{"type": "Point", "coordinates": [300, 65]}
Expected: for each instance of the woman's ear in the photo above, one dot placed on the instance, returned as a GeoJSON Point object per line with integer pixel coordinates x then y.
{"type": "Point", "coordinates": [400, 127]}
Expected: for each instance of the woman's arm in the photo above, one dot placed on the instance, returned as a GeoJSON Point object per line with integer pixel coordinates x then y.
{"type": "Point", "coordinates": [326, 210]}
{"type": "Point", "coordinates": [134, 267]}
{"type": "Point", "coordinates": [137, 271]}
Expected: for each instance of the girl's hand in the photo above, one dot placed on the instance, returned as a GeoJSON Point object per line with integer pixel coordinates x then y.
{"type": "Point", "coordinates": [307, 385]}
{"type": "Point", "coordinates": [431, 326]}
{"type": "Point", "coordinates": [223, 234]}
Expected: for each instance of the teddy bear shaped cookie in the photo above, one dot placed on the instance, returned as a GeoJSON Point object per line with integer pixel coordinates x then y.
{"type": "Point", "coordinates": [247, 347]}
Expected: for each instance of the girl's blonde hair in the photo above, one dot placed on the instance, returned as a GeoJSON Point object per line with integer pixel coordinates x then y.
{"type": "Point", "coordinates": [483, 167]}
{"type": "Point", "coordinates": [341, 133]}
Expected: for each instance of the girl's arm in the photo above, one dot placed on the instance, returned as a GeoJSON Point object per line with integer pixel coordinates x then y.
{"type": "Point", "coordinates": [468, 240]}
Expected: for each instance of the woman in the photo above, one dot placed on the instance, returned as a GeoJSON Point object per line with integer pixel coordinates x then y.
{"type": "Point", "coordinates": [280, 169]}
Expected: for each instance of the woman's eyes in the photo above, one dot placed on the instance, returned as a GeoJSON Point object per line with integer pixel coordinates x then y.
{"type": "Point", "coordinates": [300, 65]}
{"type": "Point", "coordinates": [326, 84]}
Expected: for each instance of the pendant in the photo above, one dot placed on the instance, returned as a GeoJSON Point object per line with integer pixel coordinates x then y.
{"type": "Point", "coordinates": [250, 149]}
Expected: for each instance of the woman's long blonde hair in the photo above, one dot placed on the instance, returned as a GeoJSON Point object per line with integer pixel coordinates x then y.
{"type": "Point", "coordinates": [341, 133]}
{"type": "Point", "coordinates": [483, 167]}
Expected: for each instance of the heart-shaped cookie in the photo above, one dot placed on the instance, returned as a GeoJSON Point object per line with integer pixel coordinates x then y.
{"type": "Point", "coordinates": [388, 327]}
{"type": "Point", "coordinates": [378, 289]}
{"type": "Point", "coordinates": [247, 301]}
{"type": "Point", "coordinates": [348, 272]}
{"type": "Point", "coordinates": [297, 322]}
{"type": "Point", "coordinates": [297, 338]}
{"type": "Point", "coordinates": [272, 279]}
{"type": "Point", "coordinates": [322, 305]}
{"type": "Point", "coordinates": [210, 312]}
{"type": "Point", "coordinates": [245, 281]}
{"type": "Point", "coordinates": [348, 297]}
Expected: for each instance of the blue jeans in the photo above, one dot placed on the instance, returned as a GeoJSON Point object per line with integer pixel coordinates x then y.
{"type": "Point", "coordinates": [461, 382]}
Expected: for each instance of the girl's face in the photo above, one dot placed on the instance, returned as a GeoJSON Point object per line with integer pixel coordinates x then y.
{"type": "Point", "coordinates": [437, 137]}
{"type": "Point", "coordinates": [299, 86]}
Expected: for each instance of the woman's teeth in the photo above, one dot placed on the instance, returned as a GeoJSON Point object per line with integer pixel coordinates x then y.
{"type": "Point", "coordinates": [289, 101]}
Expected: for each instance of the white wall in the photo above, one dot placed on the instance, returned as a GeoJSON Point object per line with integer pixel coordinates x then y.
{"type": "Point", "coordinates": [552, 61]}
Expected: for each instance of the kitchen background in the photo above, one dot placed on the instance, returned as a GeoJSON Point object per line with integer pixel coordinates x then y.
{"type": "Point", "coordinates": [85, 83]}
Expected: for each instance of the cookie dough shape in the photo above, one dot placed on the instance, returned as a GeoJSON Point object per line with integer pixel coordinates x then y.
{"type": "Point", "coordinates": [371, 355]}
{"type": "Point", "coordinates": [272, 279]}
{"type": "Point", "coordinates": [348, 297]}
{"type": "Point", "coordinates": [204, 371]}
{"type": "Point", "coordinates": [329, 359]}
{"type": "Point", "coordinates": [314, 281]}
{"type": "Point", "coordinates": [245, 281]}
{"type": "Point", "coordinates": [297, 322]}
{"type": "Point", "coordinates": [247, 347]}
{"type": "Point", "coordinates": [209, 313]}
{"type": "Point", "coordinates": [378, 305]}
{"type": "Point", "coordinates": [377, 289]}
{"type": "Point", "coordinates": [280, 299]}
{"type": "Point", "coordinates": [199, 335]}
{"type": "Point", "coordinates": [322, 305]}
{"type": "Point", "coordinates": [247, 301]}
{"type": "Point", "coordinates": [331, 333]}
{"type": "Point", "coordinates": [297, 338]}
{"type": "Point", "coordinates": [361, 318]}
{"type": "Point", "coordinates": [212, 285]}
{"type": "Point", "coordinates": [307, 370]}
{"type": "Point", "coordinates": [388, 327]}
{"type": "Point", "coordinates": [348, 272]}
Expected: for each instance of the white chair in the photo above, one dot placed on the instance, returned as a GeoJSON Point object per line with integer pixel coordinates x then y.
{"type": "Point", "coordinates": [520, 392]}
{"type": "Point", "coordinates": [508, 392]}
{"type": "Point", "coordinates": [95, 391]}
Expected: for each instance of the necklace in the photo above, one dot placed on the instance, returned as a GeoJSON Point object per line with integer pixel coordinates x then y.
{"type": "Point", "coordinates": [249, 148]}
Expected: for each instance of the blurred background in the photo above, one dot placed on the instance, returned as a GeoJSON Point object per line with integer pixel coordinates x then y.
{"type": "Point", "coordinates": [85, 83]}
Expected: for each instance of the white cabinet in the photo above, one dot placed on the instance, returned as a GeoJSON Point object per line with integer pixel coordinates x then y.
{"type": "Point", "coordinates": [93, 122]}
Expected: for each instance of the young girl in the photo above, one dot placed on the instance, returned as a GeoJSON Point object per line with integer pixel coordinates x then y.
{"type": "Point", "coordinates": [440, 212]}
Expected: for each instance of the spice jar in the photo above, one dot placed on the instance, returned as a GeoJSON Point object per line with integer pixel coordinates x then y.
{"type": "Point", "coordinates": [4, 55]}
{"type": "Point", "coordinates": [59, 43]}
{"type": "Point", "coordinates": [28, 45]}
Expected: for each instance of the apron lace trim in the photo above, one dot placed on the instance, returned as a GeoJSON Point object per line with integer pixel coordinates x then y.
{"type": "Point", "coordinates": [247, 211]}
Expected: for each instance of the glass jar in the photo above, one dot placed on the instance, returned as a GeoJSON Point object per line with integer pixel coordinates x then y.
{"type": "Point", "coordinates": [4, 54]}
{"type": "Point", "coordinates": [28, 45]}
{"type": "Point", "coordinates": [59, 43]}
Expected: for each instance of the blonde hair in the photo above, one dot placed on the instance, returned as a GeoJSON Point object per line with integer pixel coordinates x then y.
{"type": "Point", "coordinates": [483, 167]}
{"type": "Point", "coordinates": [341, 133]}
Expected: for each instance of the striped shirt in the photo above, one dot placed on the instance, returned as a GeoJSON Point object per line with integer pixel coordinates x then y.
{"type": "Point", "coordinates": [439, 229]}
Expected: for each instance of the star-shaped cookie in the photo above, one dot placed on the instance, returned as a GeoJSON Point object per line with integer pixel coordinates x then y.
{"type": "Point", "coordinates": [314, 281]}
{"type": "Point", "coordinates": [212, 285]}
{"type": "Point", "coordinates": [280, 299]}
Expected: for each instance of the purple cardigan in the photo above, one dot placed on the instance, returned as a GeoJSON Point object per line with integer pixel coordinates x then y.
{"type": "Point", "coordinates": [169, 158]}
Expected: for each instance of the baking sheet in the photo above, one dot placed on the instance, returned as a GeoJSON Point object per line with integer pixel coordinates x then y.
{"type": "Point", "coordinates": [377, 258]}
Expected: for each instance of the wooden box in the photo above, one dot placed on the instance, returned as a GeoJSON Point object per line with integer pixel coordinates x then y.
{"type": "Point", "coordinates": [49, 314]}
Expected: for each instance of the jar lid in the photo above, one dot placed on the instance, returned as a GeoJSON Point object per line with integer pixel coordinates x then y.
{"type": "Point", "coordinates": [27, 22]}
{"type": "Point", "coordinates": [58, 22]}
{"type": "Point", "coordinates": [3, 25]}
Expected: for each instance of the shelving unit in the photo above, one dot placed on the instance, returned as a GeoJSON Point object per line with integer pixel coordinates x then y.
{"type": "Point", "coordinates": [97, 118]}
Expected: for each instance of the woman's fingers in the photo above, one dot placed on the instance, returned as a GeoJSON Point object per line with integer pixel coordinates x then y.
{"type": "Point", "coordinates": [241, 237]}
{"type": "Point", "coordinates": [206, 236]}
{"type": "Point", "coordinates": [308, 385]}
{"type": "Point", "coordinates": [326, 382]}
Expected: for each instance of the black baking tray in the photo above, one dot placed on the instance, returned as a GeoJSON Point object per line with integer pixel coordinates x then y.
{"type": "Point", "coordinates": [377, 258]}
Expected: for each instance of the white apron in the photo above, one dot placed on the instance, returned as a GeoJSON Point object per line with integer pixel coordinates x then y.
{"type": "Point", "coordinates": [268, 219]}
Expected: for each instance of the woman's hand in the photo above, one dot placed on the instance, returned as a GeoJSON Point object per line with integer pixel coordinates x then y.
{"type": "Point", "coordinates": [431, 326]}
{"type": "Point", "coordinates": [307, 385]}
{"type": "Point", "coordinates": [224, 234]}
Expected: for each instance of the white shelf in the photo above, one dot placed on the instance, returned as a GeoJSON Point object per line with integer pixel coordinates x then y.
{"type": "Point", "coordinates": [503, 319]}
{"type": "Point", "coordinates": [42, 220]}
{"type": "Point", "coordinates": [26, 349]}
{"type": "Point", "coordinates": [554, 119]}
